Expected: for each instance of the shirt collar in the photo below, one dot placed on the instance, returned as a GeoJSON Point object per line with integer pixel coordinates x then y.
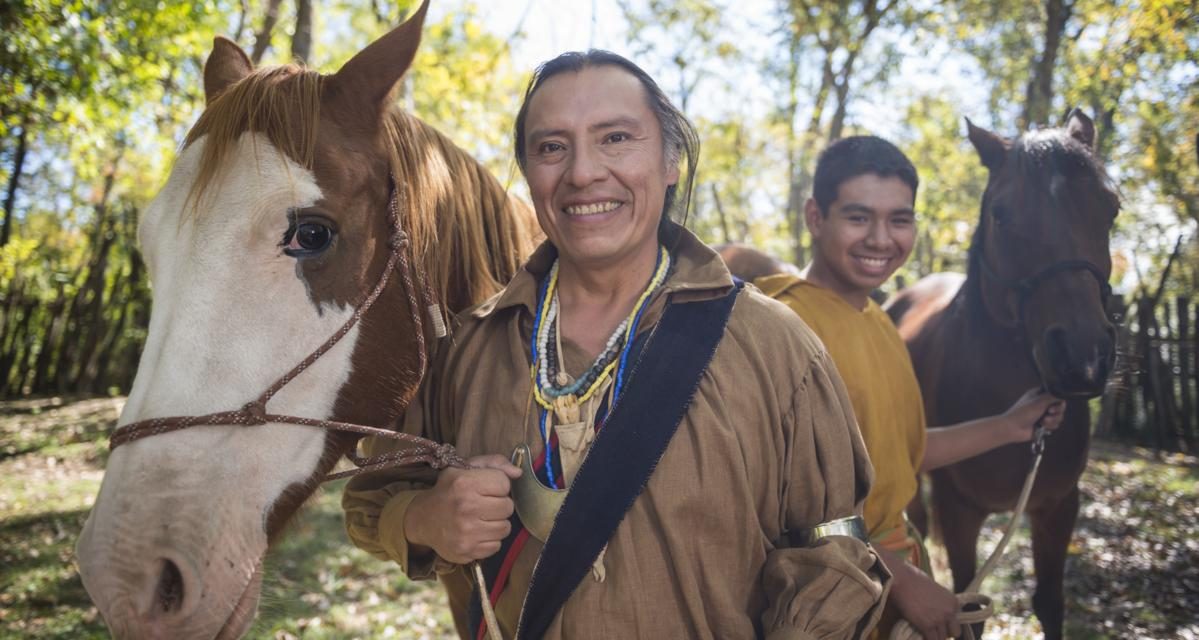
{"type": "Point", "coordinates": [696, 270]}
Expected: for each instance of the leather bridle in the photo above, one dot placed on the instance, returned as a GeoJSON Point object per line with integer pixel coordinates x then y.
{"type": "Point", "coordinates": [418, 450]}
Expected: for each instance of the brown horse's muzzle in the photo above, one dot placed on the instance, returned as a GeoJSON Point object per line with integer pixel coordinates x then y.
{"type": "Point", "coordinates": [1074, 362]}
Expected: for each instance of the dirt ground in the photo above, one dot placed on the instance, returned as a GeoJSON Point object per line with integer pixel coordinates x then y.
{"type": "Point", "coordinates": [1133, 570]}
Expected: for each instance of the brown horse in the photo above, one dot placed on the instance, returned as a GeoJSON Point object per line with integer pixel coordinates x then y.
{"type": "Point", "coordinates": [1030, 311]}
{"type": "Point", "coordinates": [275, 223]}
{"type": "Point", "coordinates": [749, 263]}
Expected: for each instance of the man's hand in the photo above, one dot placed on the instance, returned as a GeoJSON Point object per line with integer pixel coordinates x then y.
{"type": "Point", "coordinates": [929, 607]}
{"type": "Point", "coordinates": [464, 517]}
{"type": "Point", "coordinates": [1034, 405]}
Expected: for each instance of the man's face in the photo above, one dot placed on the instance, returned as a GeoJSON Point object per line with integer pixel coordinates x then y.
{"type": "Point", "coordinates": [596, 168]}
{"type": "Point", "coordinates": [868, 234]}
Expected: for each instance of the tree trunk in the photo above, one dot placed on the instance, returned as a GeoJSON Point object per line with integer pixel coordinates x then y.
{"type": "Point", "coordinates": [243, 14]}
{"type": "Point", "coordinates": [91, 289]}
{"type": "Point", "coordinates": [1185, 337]}
{"type": "Point", "coordinates": [1039, 94]}
{"type": "Point", "coordinates": [18, 166]}
{"type": "Point", "coordinates": [16, 319]}
{"type": "Point", "coordinates": [725, 232]}
{"type": "Point", "coordinates": [301, 40]}
{"type": "Point", "coordinates": [262, 40]}
{"type": "Point", "coordinates": [22, 368]}
{"type": "Point", "coordinates": [91, 320]}
{"type": "Point", "coordinates": [50, 341]}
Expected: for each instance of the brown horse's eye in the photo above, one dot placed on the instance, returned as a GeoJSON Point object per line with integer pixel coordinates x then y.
{"type": "Point", "coordinates": [307, 238]}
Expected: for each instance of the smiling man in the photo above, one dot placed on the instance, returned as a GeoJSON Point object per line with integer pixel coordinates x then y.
{"type": "Point", "coordinates": [863, 224]}
{"type": "Point", "coordinates": [683, 443]}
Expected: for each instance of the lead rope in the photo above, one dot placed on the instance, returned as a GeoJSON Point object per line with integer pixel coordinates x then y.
{"type": "Point", "coordinates": [419, 450]}
{"type": "Point", "coordinates": [903, 630]}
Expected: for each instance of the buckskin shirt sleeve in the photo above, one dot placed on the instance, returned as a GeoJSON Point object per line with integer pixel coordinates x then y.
{"type": "Point", "coordinates": [376, 502]}
{"type": "Point", "coordinates": [835, 587]}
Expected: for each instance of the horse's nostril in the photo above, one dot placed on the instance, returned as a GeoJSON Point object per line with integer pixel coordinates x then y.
{"type": "Point", "coordinates": [168, 596]}
{"type": "Point", "coordinates": [1058, 350]}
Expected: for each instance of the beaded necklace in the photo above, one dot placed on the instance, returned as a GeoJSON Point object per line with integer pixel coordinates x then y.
{"type": "Point", "coordinates": [546, 360]}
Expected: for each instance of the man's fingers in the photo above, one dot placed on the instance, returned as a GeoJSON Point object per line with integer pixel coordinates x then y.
{"type": "Point", "coordinates": [495, 508]}
{"type": "Point", "coordinates": [497, 462]}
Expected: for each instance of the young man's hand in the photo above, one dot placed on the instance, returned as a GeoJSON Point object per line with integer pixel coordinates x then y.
{"type": "Point", "coordinates": [929, 607]}
{"type": "Point", "coordinates": [464, 517]}
{"type": "Point", "coordinates": [1034, 405]}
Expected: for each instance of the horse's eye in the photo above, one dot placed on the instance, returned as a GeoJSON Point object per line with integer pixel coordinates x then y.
{"type": "Point", "coordinates": [307, 238]}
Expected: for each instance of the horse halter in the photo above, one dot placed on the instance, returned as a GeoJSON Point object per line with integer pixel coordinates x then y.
{"type": "Point", "coordinates": [1025, 287]}
{"type": "Point", "coordinates": [254, 413]}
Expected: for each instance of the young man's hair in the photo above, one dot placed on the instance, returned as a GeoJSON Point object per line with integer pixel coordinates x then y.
{"type": "Point", "coordinates": [859, 155]}
{"type": "Point", "coordinates": [680, 141]}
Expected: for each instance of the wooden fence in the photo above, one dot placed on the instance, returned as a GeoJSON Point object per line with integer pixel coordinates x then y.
{"type": "Point", "coordinates": [1153, 395]}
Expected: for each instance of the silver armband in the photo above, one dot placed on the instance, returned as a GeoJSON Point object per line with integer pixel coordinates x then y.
{"type": "Point", "coordinates": [852, 526]}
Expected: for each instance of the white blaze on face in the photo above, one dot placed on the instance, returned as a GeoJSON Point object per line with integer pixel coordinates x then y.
{"type": "Point", "coordinates": [230, 316]}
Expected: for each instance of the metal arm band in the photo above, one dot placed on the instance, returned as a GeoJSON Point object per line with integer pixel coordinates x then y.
{"type": "Point", "coordinates": [852, 526]}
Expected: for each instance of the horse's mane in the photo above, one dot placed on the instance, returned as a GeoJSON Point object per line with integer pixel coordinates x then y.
{"type": "Point", "coordinates": [466, 231]}
{"type": "Point", "coordinates": [1037, 158]}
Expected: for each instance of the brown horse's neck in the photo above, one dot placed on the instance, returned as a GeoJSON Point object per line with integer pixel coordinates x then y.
{"type": "Point", "coordinates": [475, 235]}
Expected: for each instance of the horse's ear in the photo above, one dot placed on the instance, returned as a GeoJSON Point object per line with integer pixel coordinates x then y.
{"type": "Point", "coordinates": [365, 83]}
{"type": "Point", "coordinates": [225, 66]}
{"type": "Point", "coordinates": [1080, 127]}
{"type": "Point", "coordinates": [991, 148]}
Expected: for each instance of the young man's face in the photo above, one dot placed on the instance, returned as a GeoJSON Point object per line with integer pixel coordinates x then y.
{"type": "Point", "coordinates": [866, 234]}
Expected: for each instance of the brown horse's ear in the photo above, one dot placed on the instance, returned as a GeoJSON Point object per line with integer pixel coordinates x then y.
{"type": "Point", "coordinates": [225, 66]}
{"type": "Point", "coordinates": [1080, 127]}
{"type": "Point", "coordinates": [991, 148]}
{"type": "Point", "coordinates": [364, 85]}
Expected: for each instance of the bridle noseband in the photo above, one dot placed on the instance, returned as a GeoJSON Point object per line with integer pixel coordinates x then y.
{"type": "Point", "coordinates": [1025, 287]}
{"type": "Point", "coordinates": [418, 451]}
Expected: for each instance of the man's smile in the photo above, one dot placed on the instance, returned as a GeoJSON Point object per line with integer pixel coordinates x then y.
{"type": "Point", "coordinates": [591, 209]}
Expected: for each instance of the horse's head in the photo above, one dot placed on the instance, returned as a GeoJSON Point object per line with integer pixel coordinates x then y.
{"type": "Point", "coordinates": [1040, 255]}
{"type": "Point", "coordinates": [271, 229]}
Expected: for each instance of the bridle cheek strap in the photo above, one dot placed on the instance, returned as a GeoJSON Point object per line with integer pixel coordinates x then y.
{"type": "Point", "coordinates": [417, 450]}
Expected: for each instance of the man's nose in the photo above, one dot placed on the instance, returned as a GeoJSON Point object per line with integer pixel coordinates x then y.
{"type": "Point", "coordinates": [878, 236]}
{"type": "Point", "coordinates": [586, 167]}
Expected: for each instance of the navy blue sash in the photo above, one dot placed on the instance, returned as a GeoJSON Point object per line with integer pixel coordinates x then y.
{"type": "Point", "coordinates": [625, 452]}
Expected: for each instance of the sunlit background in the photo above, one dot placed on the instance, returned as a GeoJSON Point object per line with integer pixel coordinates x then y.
{"type": "Point", "coordinates": [95, 98]}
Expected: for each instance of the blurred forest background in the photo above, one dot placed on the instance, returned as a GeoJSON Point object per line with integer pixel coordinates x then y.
{"type": "Point", "coordinates": [96, 97]}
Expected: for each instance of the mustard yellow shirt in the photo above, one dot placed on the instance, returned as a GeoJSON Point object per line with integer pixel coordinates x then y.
{"type": "Point", "coordinates": [877, 370]}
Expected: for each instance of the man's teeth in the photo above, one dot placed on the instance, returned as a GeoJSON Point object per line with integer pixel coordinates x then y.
{"type": "Point", "coordinates": [591, 209]}
{"type": "Point", "coordinates": [873, 262]}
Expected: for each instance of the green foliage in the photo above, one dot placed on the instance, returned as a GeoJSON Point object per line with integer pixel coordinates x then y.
{"type": "Point", "coordinates": [104, 93]}
{"type": "Point", "coordinates": [952, 180]}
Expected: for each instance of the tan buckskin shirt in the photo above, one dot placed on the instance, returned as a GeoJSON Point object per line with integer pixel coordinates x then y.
{"type": "Point", "coordinates": [768, 445]}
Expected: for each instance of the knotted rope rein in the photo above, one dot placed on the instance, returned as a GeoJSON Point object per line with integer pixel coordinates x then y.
{"type": "Point", "coordinates": [418, 450]}
{"type": "Point", "coordinates": [971, 597]}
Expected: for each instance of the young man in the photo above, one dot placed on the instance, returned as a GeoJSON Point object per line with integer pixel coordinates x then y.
{"type": "Point", "coordinates": [701, 524]}
{"type": "Point", "coordinates": [863, 227]}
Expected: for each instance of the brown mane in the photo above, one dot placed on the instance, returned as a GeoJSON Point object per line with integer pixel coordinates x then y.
{"type": "Point", "coordinates": [467, 232]}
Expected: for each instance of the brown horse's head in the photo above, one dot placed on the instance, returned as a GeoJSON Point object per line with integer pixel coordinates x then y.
{"type": "Point", "coordinates": [271, 229]}
{"type": "Point", "coordinates": [1040, 260]}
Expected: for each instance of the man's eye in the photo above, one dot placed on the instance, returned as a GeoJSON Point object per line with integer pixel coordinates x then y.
{"type": "Point", "coordinates": [617, 137]}
{"type": "Point", "coordinates": [550, 147]}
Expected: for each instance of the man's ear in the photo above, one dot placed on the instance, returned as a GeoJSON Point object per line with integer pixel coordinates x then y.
{"type": "Point", "coordinates": [813, 217]}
